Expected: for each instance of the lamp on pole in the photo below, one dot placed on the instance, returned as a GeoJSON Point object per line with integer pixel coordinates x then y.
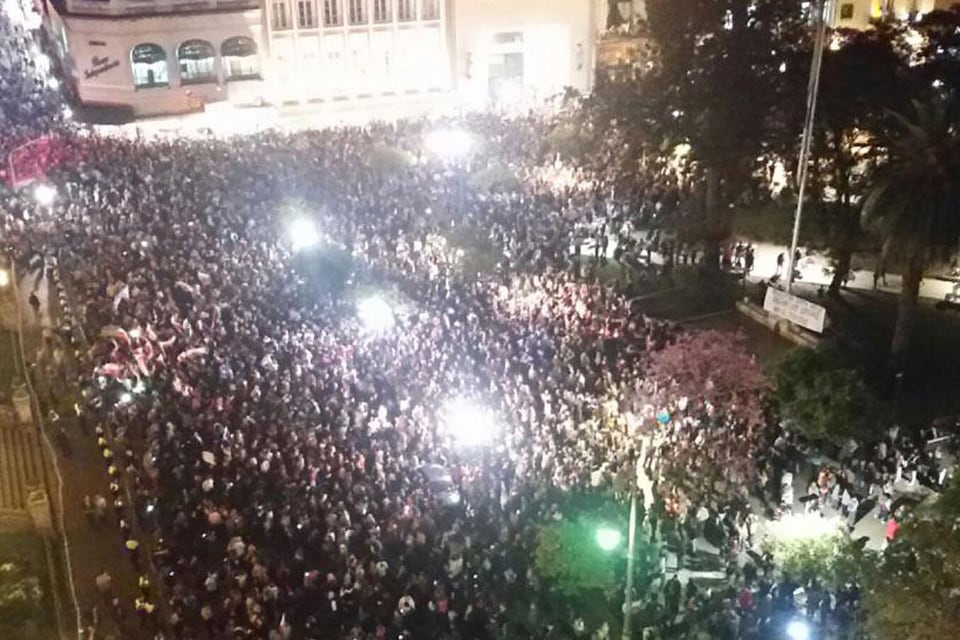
{"type": "Point", "coordinates": [813, 89]}
{"type": "Point", "coordinates": [609, 539]}
{"type": "Point", "coordinates": [631, 552]}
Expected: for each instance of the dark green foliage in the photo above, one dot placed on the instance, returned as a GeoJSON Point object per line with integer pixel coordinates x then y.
{"type": "Point", "coordinates": [825, 399]}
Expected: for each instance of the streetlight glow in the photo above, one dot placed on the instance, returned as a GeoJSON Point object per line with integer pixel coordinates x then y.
{"type": "Point", "coordinates": [375, 314]}
{"type": "Point", "coordinates": [449, 143]}
{"type": "Point", "coordinates": [468, 423]}
{"type": "Point", "coordinates": [608, 538]}
{"type": "Point", "coordinates": [798, 630]}
{"type": "Point", "coordinates": [44, 194]}
{"type": "Point", "coordinates": [303, 234]}
{"type": "Point", "coordinates": [803, 526]}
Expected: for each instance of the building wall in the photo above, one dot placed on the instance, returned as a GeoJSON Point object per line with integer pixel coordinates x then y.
{"type": "Point", "coordinates": [399, 47]}
{"type": "Point", "coordinates": [467, 52]}
{"type": "Point", "coordinates": [96, 55]}
{"type": "Point", "coordinates": [527, 49]}
{"type": "Point", "coordinates": [857, 14]}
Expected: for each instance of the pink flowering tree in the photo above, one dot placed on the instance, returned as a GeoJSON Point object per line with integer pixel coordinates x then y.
{"type": "Point", "coordinates": [713, 391]}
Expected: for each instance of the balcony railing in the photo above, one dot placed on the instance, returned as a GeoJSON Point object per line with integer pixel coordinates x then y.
{"type": "Point", "coordinates": [134, 7]}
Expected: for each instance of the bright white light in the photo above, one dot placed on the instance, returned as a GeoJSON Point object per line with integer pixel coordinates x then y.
{"type": "Point", "coordinates": [449, 143]}
{"type": "Point", "coordinates": [44, 194]}
{"type": "Point", "coordinates": [303, 234]}
{"type": "Point", "coordinates": [67, 113]}
{"type": "Point", "coordinates": [53, 83]}
{"type": "Point", "coordinates": [803, 526]}
{"type": "Point", "coordinates": [468, 423]}
{"type": "Point", "coordinates": [798, 630]}
{"type": "Point", "coordinates": [4, 278]}
{"type": "Point", "coordinates": [375, 314]}
{"type": "Point", "coordinates": [144, 243]}
{"type": "Point", "coordinates": [608, 538]}
{"type": "Point", "coordinates": [125, 398]}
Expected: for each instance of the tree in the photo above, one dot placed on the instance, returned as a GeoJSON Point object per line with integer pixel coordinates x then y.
{"type": "Point", "coordinates": [830, 557]}
{"type": "Point", "coordinates": [824, 399]}
{"type": "Point", "coordinates": [859, 81]}
{"type": "Point", "coordinates": [712, 370]}
{"type": "Point", "coordinates": [713, 84]}
{"type": "Point", "coordinates": [913, 594]}
{"type": "Point", "coordinates": [568, 556]}
{"type": "Point", "coordinates": [714, 367]}
{"type": "Point", "coordinates": [915, 201]}
{"type": "Point", "coordinates": [21, 599]}
{"type": "Point", "coordinates": [937, 63]}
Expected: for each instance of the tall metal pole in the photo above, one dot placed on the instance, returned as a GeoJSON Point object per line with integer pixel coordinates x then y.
{"type": "Point", "coordinates": [631, 552]}
{"type": "Point", "coordinates": [813, 88]}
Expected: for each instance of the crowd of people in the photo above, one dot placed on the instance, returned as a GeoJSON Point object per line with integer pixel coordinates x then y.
{"type": "Point", "coordinates": [275, 444]}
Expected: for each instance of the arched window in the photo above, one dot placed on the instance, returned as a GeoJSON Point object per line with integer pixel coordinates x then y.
{"type": "Point", "coordinates": [240, 59]}
{"type": "Point", "coordinates": [197, 62]}
{"type": "Point", "coordinates": [149, 64]}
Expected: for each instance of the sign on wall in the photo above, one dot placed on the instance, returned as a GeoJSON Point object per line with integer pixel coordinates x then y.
{"type": "Point", "coordinates": [797, 310]}
{"type": "Point", "coordinates": [100, 66]}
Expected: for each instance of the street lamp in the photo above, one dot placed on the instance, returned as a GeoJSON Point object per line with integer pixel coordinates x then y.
{"type": "Point", "coordinates": [44, 194]}
{"type": "Point", "coordinates": [798, 630]}
{"type": "Point", "coordinates": [303, 233]}
{"type": "Point", "coordinates": [449, 143]}
{"type": "Point", "coordinates": [467, 423]}
{"type": "Point", "coordinates": [375, 314]}
{"type": "Point", "coordinates": [813, 90]}
{"type": "Point", "coordinates": [608, 538]}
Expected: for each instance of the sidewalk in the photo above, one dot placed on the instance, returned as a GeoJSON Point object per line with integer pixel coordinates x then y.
{"type": "Point", "coordinates": [815, 270]}
{"type": "Point", "coordinates": [91, 549]}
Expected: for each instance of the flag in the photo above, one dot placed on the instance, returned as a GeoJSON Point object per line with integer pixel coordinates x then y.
{"type": "Point", "coordinates": [31, 160]}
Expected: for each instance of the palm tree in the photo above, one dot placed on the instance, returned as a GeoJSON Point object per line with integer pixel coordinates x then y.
{"type": "Point", "coordinates": [915, 202]}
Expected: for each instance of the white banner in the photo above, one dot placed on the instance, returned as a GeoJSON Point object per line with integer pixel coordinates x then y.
{"type": "Point", "coordinates": [797, 310]}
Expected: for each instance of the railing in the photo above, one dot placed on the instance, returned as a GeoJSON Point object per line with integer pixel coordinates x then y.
{"type": "Point", "coordinates": [133, 7]}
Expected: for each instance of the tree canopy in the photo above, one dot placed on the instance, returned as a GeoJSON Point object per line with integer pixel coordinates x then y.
{"type": "Point", "coordinates": [915, 590]}
{"type": "Point", "coordinates": [826, 400]}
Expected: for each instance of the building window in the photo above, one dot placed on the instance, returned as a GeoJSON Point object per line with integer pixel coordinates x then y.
{"type": "Point", "coordinates": [846, 11]}
{"type": "Point", "coordinates": [280, 19]}
{"type": "Point", "coordinates": [305, 15]}
{"type": "Point", "coordinates": [197, 60]}
{"type": "Point", "coordinates": [508, 37]}
{"type": "Point", "coordinates": [429, 10]}
{"type": "Point", "coordinates": [149, 64]}
{"type": "Point", "coordinates": [240, 59]}
{"type": "Point", "coordinates": [356, 11]}
{"type": "Point", "coordinates": [406, 11]}
{"type": "Point", "coordinates": [331, 13]}
{"type": "Point", "coordinates": [381, 10]}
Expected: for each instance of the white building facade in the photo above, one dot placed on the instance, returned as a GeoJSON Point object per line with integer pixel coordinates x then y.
{"type": "Point", "coordinates": [153, 57]}
{"type": "Point", "coordinates": [857, 14]}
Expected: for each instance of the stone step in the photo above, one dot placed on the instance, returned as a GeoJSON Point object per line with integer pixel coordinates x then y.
{"type": "Point", "coordinates": [21, 466]}
{"type": "Point", "coordinates": [10, 495]}
{"type": "Point", "coordinates": [35, 469]}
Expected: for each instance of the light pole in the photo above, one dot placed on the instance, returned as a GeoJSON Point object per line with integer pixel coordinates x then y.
{"type": "Point", "coordinates": [631, 552]}
{"type": "Point", "coordinates": [608, 539]}
{"type": "Point", "coordinates": [813, 89]}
